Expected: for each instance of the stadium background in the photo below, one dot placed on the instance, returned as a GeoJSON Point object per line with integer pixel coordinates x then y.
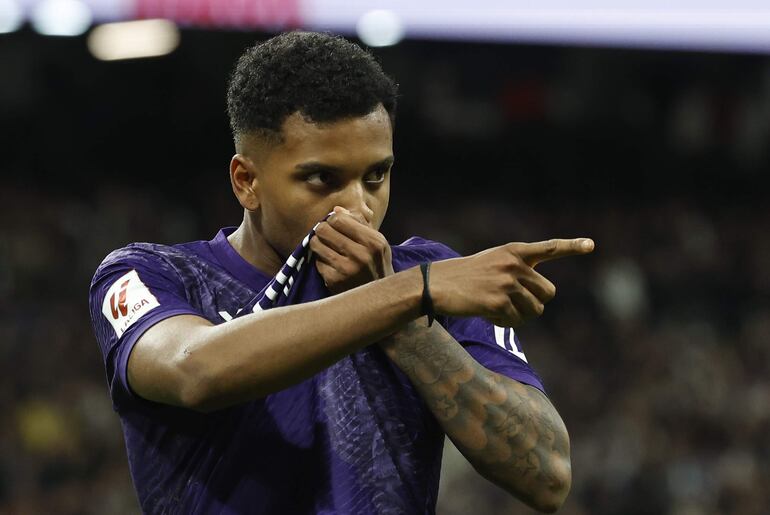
{"type": "Point", "coordinates": [655, 350]}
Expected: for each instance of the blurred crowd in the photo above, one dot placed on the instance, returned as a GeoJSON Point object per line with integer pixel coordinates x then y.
{"type": "Point", "coordinates": [655, 350]}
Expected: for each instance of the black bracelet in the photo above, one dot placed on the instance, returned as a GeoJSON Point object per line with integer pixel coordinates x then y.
{"type": "Point", "coordinates": [427, 300]}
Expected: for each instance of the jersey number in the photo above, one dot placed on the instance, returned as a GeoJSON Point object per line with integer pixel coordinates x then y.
{"type": "Point", "coordinates": [507, 339]}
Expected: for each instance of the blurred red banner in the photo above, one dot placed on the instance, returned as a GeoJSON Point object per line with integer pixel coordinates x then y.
{"type": "Point", "coordinates": [224, 13]}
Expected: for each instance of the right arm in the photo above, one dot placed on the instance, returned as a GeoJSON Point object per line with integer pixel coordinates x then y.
{"type": "Point", "coordinates": [187, 361]}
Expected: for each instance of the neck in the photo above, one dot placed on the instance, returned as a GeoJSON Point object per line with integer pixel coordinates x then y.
{"type": "Point", "coordinates": [248, 241]}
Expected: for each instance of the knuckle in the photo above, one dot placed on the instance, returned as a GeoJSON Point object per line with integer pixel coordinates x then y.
{"type": "Point", "coordinates": [518, 299]}
{"type": "Point", "coordinates": [336, 261]}
{"type": "Point", "coordinates": [361, 258]}
{"type": "Point", "coordinates": [372, 248]}
{"type": "Point", "coordinates": [347, 268]}
{"type": "Point", "coordinates": [551, 246]}
{"type": "Point", "coordinates": [501, 304]}
{"type": "Point", "coordinates": [341, 244]}
{"type": "Point", "coordinates": [378, 244]}
{"type": "Point", "coordinates": [382, 245]}
{"type": "Point", "coordinates": [506, 263]}
{"type": "Point", "coordinates": [508, 282]}
{"type": "Point", "coordinates": [515, 263]}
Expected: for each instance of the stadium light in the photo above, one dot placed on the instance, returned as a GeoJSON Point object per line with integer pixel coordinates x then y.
{"type": "Point", "coordinates": [380, 28]}
{"type": "Point", "coordinates": [133, 39]}
{"type": "Point", "coordinates": [61, 17]}
{"type": "Point", "coordinates": [11, 16]}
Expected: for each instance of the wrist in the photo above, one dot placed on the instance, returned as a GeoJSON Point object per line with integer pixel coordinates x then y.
{"type": "Point", "coordinates": [409, 285]}
{"type": "Point", "coordinates": [405, 336]}
{"type": "Point", "coordinates": [426, 304]}
{"type": "Point", "coordinates": [437, 289]}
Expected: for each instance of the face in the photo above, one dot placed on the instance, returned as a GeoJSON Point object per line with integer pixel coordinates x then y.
{"type": "Point", "coordinates": [313, 169]}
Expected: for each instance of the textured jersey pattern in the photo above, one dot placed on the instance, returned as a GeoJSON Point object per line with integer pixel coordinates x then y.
{"type": "Point", "coordinates": [353, 439]}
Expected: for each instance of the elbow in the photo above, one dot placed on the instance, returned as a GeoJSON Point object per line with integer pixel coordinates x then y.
{"type": "Point", "coordinates": [544, 493]}
{"type": "Point", "coordinates": [206, 384]}
{"type": "Point", "coordinates": [550, 502]}
{"type": "Point", "coordinates": [196, 388]}
{"type": "Point", "coordinates": [551, 492]}
{"type": "Point", "coordinates": [196, 397]}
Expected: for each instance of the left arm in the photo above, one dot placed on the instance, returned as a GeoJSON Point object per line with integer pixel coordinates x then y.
{"type": "Point", "coordinates": [508, 431]}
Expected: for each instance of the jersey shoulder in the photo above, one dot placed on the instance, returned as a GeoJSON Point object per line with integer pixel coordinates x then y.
{"type": "Point", "coordinates": [149, 256]}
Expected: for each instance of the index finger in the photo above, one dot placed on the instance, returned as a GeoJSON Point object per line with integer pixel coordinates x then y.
{"type": "Point", "coordinates": [541, 251]}
{"type": "Point", "coordinates": [351, 225]}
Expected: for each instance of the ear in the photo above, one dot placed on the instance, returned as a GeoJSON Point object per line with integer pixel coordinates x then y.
{"type": "Point", "coordinates": [243, 178]}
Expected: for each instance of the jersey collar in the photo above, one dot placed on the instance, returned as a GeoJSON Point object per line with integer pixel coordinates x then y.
{"type": "Point", "coordinates": [234, 263]}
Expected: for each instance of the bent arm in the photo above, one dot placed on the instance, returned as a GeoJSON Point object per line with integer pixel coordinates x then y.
{"type": "Point", "coordinates": [508, 431]}
{"type": "Point", "coordinates": [187, 361]}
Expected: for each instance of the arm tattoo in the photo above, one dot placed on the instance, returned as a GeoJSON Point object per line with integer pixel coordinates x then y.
{"type": "Point", "coordinates": [510, 432]}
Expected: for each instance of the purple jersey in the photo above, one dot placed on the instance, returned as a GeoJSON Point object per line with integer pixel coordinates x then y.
{"type": "Point", "coordinates": [354, 439]}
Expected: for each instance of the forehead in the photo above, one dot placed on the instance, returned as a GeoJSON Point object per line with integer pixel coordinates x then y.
{"type": "Point", "coordinates": [338, 140]}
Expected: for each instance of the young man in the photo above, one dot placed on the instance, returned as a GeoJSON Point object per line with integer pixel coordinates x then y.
{"type": "Point", "coordinates": [337, 399]}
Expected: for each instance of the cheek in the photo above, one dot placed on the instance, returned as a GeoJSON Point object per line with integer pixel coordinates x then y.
{"type": "Point", "coordinates": [380, 205]}
{"type": "Point", "coordinates": [286, 223]}
{"type": "Point", "coordinates": [281, 224]}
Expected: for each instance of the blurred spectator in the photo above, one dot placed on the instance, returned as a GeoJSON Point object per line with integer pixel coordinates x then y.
{"type": "Point", "coordinates": [656, 349]}
{"type": "Point", "coordinates": [667, 399]}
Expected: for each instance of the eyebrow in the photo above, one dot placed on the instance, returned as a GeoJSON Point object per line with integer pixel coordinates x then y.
{"type": "Point", "coordinates": [314, 166]}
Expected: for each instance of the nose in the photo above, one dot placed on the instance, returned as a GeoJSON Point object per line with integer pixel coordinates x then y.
{"type": "Point", "coordinates": [354, 199]}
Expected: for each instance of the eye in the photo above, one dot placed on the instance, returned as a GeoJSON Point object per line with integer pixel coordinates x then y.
{"type": "Point", "coordinates": [319, 179]}
{"type": "Point", "coordinates": [375, 176]}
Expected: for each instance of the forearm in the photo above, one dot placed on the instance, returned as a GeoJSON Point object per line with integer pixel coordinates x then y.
{"type": "Point", "coordinates": [509, 432]}
{"type": "Point", "coordinates": [203, 366]}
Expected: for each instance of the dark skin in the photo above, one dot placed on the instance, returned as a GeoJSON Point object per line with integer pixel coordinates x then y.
{"type": "Point", "coordinates": [509, 432]}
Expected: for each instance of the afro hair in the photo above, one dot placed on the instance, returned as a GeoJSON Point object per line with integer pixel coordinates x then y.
{"type": "Point", "coordinates": [323, 77]}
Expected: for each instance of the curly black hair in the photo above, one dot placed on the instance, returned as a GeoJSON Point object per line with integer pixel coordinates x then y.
{"type": "Point", "coordinates": [324, 77]}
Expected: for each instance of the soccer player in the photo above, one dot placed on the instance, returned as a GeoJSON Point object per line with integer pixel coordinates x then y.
{"type": "Point", "coordinates": [289, 366]}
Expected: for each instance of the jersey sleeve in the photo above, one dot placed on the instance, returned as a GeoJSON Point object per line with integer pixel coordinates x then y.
{"type": "Point", "coordinates": [133, 289]}
{"type": "Point", "coordinates": [496, 348]}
